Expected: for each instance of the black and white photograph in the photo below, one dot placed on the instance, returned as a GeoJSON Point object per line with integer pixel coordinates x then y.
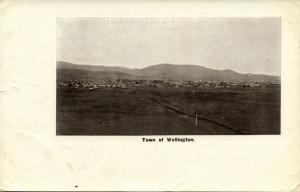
{"type": "Point", "coordinates": [168, 76]}
{"type": "Point", "coordinates": [149, 95]}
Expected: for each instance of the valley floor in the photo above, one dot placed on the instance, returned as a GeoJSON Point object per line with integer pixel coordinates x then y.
{"type": "Point", "coordinates": [168, 111]}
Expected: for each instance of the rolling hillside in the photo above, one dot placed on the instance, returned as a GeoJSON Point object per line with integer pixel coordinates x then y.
{"type": "Point", "coordinates": [160, 71]}
{"type": "Point", "coordinates": [76, 74]}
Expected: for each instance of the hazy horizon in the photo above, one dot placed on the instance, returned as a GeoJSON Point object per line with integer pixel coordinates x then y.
{"type": "Point", "coordinates": [244, 45]}
{"type": "Point", "coordinates": [167, 64]}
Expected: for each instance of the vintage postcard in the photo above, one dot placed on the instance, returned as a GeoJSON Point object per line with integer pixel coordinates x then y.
{"type": "Point", "coordinates": [149, 95]}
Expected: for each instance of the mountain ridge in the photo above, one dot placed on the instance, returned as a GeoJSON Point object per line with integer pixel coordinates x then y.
{"type": "Point", "coordinates": [167, 71]}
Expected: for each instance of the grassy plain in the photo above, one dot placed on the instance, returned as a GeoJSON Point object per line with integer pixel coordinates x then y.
{"type": "Point", "coordinates": [168, 111]}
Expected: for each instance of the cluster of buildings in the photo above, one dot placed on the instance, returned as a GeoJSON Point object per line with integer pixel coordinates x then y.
{"type": "Point", "coordinates": [123, 84]}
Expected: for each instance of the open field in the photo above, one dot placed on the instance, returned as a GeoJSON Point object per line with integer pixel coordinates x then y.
{"type": "Point", "coordinates": [168, 111]}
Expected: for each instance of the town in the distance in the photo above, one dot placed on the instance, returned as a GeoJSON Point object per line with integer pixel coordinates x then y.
{"type": "Point", "coordinates": [126, 83]}
{"type": "Point", "coordinates": [76, 76]}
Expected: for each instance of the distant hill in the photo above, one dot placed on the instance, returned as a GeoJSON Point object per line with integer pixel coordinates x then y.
{"type": "Point", "coordinates": [160, 71]}
{"type": "Point", "coordinates": [76, 74]}
{"type": "Point", "coordinates": [66, 65]}
{"type": "Point", "coordinates": [195, 72]}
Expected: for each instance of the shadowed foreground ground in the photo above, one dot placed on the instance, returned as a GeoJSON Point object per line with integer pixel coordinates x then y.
{"type": "Point", "coordinates": [168, 111]}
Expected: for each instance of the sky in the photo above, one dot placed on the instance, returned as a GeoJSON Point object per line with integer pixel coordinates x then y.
{"type": "Point", "coordinates": [245, 45]}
